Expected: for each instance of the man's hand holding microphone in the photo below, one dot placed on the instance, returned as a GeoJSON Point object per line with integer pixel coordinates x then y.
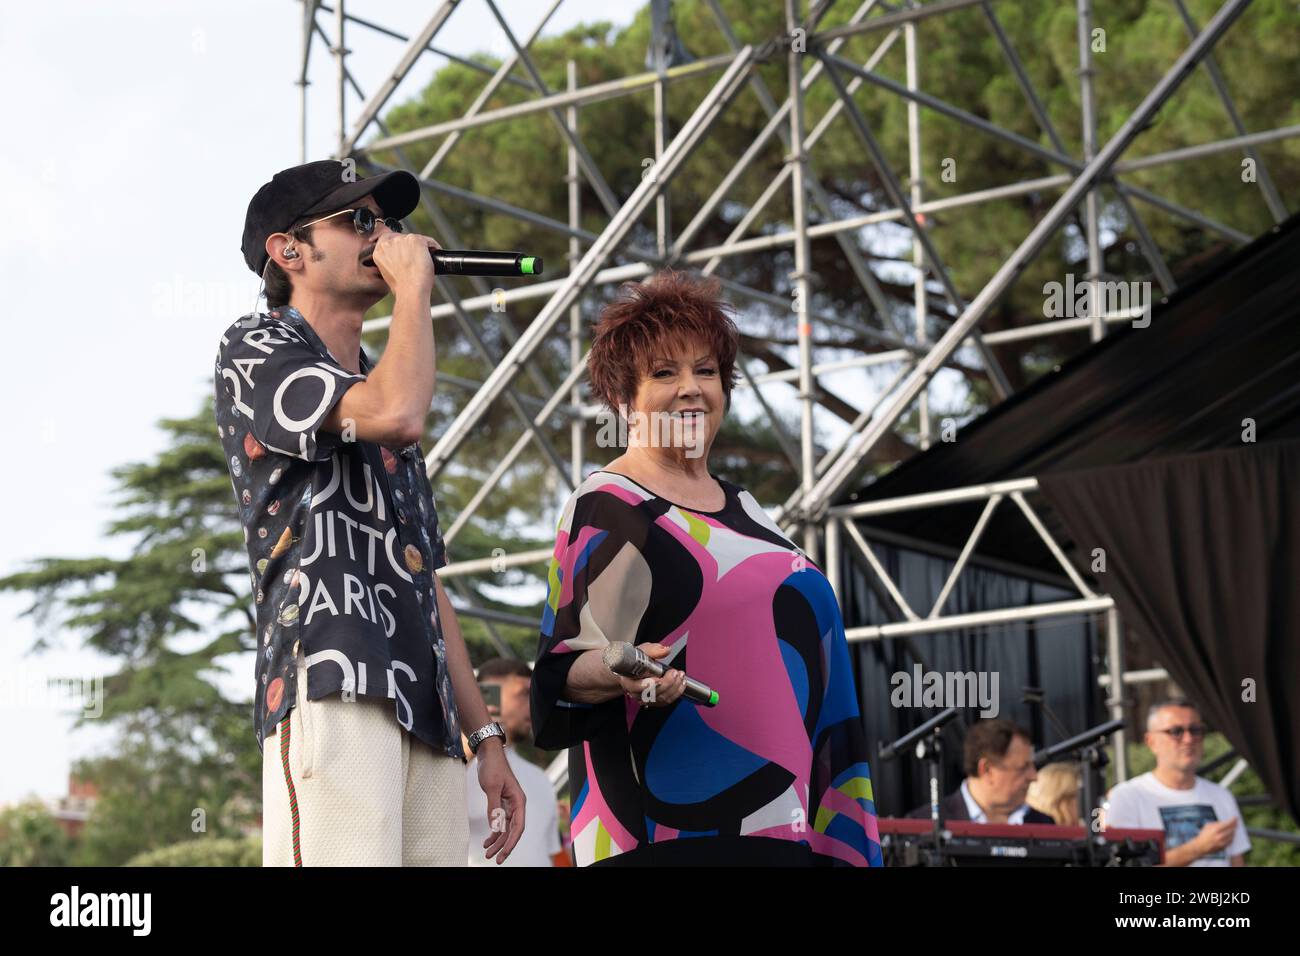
{"type": "Point", "coordinates": [403, 260]}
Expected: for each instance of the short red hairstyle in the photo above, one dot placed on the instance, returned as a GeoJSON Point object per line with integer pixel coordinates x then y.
{"type": "Point", "coordinates": [646, 320]}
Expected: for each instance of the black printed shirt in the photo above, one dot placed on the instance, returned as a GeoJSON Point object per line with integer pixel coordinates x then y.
{"type": "Point", "coordinates": [342, 536]}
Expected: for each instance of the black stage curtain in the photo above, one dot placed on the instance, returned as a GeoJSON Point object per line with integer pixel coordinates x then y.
{"type": "Point", "coordinates": [1203, 560]}
{"type": "Point", "coordinates": [1056, 655]}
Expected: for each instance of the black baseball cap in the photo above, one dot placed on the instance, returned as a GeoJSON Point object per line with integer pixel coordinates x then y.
{"type": "Point", "coordinates": [319, 188]}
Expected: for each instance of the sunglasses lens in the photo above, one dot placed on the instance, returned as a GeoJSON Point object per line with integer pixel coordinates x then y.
{"type": "Point", "coordinates": [364, 220]}
{"type": "Point", "coordinates": [395, 225]}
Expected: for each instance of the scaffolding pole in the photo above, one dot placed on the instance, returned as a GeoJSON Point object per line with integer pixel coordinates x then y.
{"type": "Point", "coordinates": [893, 343]}
{"type": "Point", "coordinates": [839, 474]}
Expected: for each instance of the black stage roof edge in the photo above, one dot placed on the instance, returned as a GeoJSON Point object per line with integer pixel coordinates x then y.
{"type": "Point", "coordinates": [1224, 347]}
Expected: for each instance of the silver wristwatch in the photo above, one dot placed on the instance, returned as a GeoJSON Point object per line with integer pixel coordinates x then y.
{"type": "Point", "coordinates": [483, 733]}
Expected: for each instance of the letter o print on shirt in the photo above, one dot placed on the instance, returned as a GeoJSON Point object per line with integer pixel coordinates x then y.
{"type": "Point", "coordinates": [298, 424]}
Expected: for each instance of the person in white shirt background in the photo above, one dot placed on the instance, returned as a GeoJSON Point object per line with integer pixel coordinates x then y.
{"type": "Point", "coordinates": [1201, 819]}
{"type": "Point", "coordinates": [540, 845]}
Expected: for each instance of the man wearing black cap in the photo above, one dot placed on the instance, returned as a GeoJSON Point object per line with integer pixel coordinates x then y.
{"type": "Point", "coordinates": [362, 672]}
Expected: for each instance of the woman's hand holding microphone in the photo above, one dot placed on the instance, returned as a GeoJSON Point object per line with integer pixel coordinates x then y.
{"type": "Point", "coordinates": [651, 691]}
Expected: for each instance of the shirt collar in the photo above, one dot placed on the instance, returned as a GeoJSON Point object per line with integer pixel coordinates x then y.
{"type": "Point", "coordinates": [289, 314]}
{"type": "Point", "coordinates": [973, 809]}
{"type": "Point", "coordinates": [977, 814]}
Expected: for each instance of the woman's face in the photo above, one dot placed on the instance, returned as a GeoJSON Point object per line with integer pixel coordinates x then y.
{"type": "Point", "coordinates": [679, 401]}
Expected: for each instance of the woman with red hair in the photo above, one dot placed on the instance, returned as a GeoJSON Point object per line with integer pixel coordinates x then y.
{"type": "Point", "coordinates": [656, 551]}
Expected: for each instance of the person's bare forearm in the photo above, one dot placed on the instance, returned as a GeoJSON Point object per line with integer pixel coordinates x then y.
{"type": "Point", "coordinates": [590, 681]}
{"type": "Point", "coordinates": [473, 712]}
{"type": "Point", "coordinates": [405, 373]}
{"type": "Point", "coordinates": [1184, 855]}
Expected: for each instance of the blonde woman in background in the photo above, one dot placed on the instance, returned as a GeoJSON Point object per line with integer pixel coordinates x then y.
{"type": "Point", "coordinates": [1056, 793]}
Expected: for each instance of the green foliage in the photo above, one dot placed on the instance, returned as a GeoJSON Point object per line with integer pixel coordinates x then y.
{"type": "Point", "coordinates": [170, 782]}
{"type": "Point", "coordinates": [29, 836]}
{"type": "Point", "coordinates": [204, 852]}
{"type": "Point", "coordinates": [523, 162]}
{"type": "Point", "coordinates": [168, 614]}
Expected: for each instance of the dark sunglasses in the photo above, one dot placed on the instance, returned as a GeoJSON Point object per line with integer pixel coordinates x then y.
{"type": "Point", "coordinates": [363, 220]}
{"type": "Point", "coordinates": [1196, 730]}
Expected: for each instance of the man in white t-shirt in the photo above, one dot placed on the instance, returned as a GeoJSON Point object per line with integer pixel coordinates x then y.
{"type": "Point", "coordinates": [1201, 819]}
{"type": "Point", "coordinates": [540, 844]}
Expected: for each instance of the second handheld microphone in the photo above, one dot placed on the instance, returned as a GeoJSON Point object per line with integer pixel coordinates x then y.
{"type": "Point", "coordinates": [628, 661]}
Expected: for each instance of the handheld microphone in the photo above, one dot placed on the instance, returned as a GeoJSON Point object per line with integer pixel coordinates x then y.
{"type": "Point", "coordinates": [628, 661]}
{"type": "Point", "coordinates": [478, 262]}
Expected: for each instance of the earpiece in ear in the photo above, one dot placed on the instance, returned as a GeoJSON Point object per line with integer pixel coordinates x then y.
{"type": "Point", "coordinates": [290, 252]}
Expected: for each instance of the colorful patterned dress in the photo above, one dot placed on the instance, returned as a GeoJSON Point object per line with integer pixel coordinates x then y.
{"type": "Point", "coordinates": [775, 773]}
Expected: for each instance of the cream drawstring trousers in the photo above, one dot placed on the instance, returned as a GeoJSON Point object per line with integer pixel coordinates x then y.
{"type": "Point", "coordinates": [344, 784]}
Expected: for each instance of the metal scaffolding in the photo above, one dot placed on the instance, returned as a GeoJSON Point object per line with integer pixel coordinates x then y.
{"type": "Point", "coordinates": [811, 55]}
